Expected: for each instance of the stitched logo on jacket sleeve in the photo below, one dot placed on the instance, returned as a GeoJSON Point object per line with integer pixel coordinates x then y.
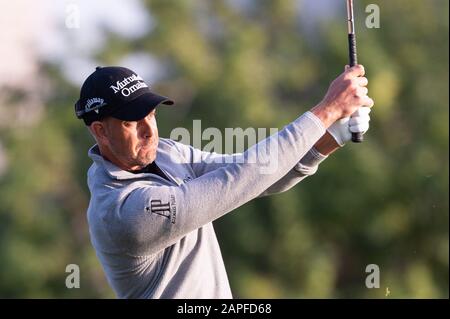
{"type": "Point", "coordinates": [165, 209]}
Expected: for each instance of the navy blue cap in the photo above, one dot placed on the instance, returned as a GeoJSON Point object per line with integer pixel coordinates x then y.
{"type": "Point", "coordinates": [117, 92]}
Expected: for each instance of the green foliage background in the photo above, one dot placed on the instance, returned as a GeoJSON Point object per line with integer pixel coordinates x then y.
{"type": "Point", "coordinates": [383, 202]}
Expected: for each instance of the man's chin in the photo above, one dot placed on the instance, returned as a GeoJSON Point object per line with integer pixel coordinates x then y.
{"type": "Point", "coordinates": [146, 160]}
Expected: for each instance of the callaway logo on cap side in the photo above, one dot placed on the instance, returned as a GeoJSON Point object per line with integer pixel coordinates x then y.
{"type": "Point", "coordinates": [94, 104]}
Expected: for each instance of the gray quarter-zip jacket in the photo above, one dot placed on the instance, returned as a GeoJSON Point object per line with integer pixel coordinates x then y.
{"type": "Point", "coordinates": [154, 237]}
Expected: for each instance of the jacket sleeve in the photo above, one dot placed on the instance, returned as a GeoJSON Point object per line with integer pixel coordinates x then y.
{"type": "Point", "coordinates": [205, 162]}
{"type": "Point", "coordinates": [151, 218]}
{"type": "Point", "coordinates": [307, 166]}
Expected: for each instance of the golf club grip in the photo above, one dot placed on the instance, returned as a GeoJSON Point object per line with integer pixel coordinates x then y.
{"type": "Point", "coordinates": [353, 58]}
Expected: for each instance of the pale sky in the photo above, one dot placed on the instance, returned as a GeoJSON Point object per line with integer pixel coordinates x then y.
{"type": "Point", "coordinates": [33, 30]}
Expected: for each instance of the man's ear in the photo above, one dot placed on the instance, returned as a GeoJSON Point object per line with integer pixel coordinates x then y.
{"type": "Point", "coordinates": [99, 130]}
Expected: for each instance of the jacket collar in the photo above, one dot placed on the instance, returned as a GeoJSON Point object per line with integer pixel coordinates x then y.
{"type": "Point", "coordinates": [112, 170]}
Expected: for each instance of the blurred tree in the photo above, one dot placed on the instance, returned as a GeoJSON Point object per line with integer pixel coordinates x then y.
{"type": "Point", "coordinates": [255, 66]}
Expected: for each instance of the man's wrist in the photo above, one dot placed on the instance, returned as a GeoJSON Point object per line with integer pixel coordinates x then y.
{"type": "Point", "coordinates": [325, 114]}
{"type": "Point", "coordinates": [326, 144]}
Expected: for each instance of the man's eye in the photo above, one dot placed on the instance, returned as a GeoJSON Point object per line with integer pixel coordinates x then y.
{"type": "Point", "coordinates": [126, 123]}
{"type": "Point", "coordinates": [152, 113]}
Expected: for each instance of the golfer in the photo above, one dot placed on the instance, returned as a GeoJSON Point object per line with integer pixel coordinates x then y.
{"type": "Point", "coordinates": [153, 200]}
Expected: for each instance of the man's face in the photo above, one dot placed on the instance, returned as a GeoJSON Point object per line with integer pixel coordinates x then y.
{"type": "Point", "coordinates": [131, 144]}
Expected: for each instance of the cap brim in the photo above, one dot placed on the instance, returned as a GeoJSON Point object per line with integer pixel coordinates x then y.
{"type": "Point", "coordinates": [140, 107]}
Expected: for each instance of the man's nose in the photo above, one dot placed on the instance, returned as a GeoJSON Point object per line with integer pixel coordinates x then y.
{"type": "Point", "coordinates": [147, 128]}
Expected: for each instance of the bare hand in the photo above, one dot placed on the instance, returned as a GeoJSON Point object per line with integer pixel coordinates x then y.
{"type": "Point", "coordinates": [345, 95]}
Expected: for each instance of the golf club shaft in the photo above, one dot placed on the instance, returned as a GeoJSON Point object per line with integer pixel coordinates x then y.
{"type": "Point", "coordinates": [353, 58]}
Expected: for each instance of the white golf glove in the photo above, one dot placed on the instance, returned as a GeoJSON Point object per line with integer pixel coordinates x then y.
{"type": "Point", "coordinates": [342, 129]}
